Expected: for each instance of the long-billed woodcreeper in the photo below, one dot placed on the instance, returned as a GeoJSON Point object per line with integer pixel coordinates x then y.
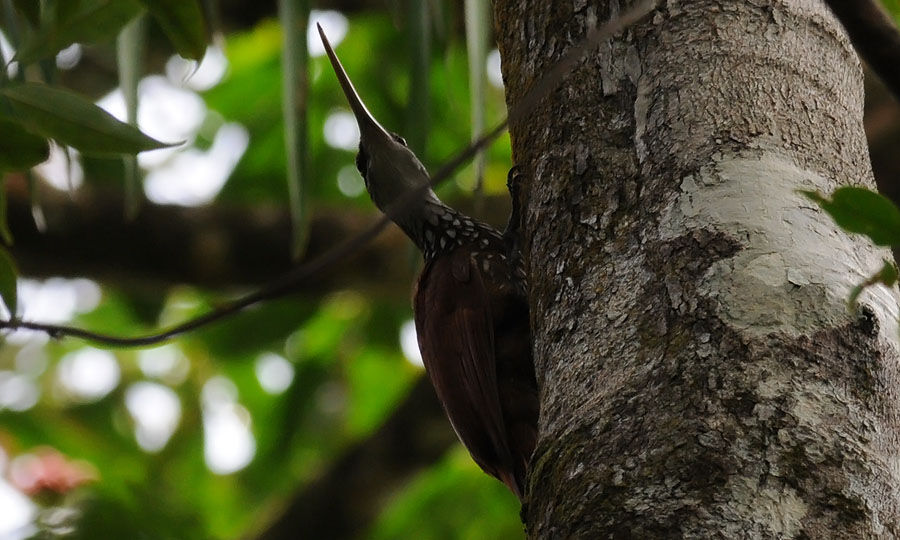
{"type": "Point", "coordinates": [470, 303]}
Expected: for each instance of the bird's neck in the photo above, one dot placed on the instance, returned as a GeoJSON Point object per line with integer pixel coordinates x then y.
{"type": "Point", "coordinates": [436, 228]}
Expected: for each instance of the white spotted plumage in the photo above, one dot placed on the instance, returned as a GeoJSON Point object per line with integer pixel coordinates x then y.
{"type": "Point", "coordinates": [441, 229]}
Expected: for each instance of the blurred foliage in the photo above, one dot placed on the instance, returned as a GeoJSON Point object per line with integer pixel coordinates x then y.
{"type": "Point", "coordinates": [8, 292]}
{"type": "Point", "coordinates": [294, 18]}
{"type": "Point", "coordinates": [251, 95]}
{"type": "Point", "coordinates": [343, 348]}
{"type": "Point", "coordinates": [441, 489]}
{"type": "Point", "coordinates": [893, 7]}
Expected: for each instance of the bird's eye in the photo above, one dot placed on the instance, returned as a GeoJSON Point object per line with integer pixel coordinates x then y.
{"type": "Point", "coordinates": [362, 163]}
{"type": "Point", "coordinates": [399, 139]}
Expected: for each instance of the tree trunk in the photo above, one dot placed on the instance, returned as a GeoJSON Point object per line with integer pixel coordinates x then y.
{"type": "Point", "coordinates": [700, 373]}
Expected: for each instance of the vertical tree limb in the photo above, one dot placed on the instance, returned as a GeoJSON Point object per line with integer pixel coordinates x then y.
{"type": "Point", "coordinates": [699, 372]}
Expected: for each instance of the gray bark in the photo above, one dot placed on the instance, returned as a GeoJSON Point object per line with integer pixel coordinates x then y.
{"type": "Point", "coordinates": [700, 373]}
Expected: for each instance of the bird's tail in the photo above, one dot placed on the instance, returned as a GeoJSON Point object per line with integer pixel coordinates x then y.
{"type": "Point", "coordinates": [514, 484]}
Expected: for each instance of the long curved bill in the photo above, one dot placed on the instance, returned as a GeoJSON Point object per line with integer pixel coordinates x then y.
{"type": "Point", "coordinates": [367, 122]}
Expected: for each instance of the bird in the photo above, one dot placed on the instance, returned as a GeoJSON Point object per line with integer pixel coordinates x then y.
{"type": "Point", "coordinates": [470, 301]}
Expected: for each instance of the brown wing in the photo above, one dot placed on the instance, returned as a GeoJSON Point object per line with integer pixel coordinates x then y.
{"type": "Point", "coordinates": [454, 325]}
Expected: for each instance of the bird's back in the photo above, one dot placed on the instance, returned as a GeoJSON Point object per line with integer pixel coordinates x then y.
{"type": "Point", "coordinates": [472, 322]}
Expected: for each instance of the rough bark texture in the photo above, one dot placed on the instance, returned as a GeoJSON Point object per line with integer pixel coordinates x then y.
{"type": "Point", "coordinates": [700, 373]}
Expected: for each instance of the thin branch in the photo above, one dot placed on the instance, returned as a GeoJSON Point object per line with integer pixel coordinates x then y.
{"type": "Point", "coordinates": [283, 286]}
{"type": "Point", "coordinates": [277, 288]}
{"type": "Point", "coordinates": [874, 35]}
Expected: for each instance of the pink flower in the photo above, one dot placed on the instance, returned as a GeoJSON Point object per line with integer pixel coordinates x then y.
{"type": "Point", "coordinates": [47, 470]}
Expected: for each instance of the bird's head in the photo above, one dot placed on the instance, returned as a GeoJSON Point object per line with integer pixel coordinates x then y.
{"type": "Point", "coordinates": [390, 169]}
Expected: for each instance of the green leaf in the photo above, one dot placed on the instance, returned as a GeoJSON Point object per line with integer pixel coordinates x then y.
{"type": "Point", "coordinates": [418, 118]}
{"type": "Point", "coordinates": [862, 211]}
{"type": "Point", "coordinates": [477, 35]}
{"type": "Point", "coordinates": [8, 282]}
{"type": "Point", "coordinates": [182, 21]}
{"type": "Point", "coordinates": [82, 21]}
{"type": "Point", "coordinates": [5, 233]}
{"type": "Point", "coordinates": [19, 148]}
{"type": "Point", "coordinates": [887, 276]}
{"type": "Point", "coordinates": [294, 17]}
{"type": "Point", "coordinates": [130, 54]}
{"type": "Point", "coordinates": [71, 119]}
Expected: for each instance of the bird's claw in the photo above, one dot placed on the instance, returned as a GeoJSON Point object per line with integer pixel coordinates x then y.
{"type": "Point", "coordinates": [513, 233]}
